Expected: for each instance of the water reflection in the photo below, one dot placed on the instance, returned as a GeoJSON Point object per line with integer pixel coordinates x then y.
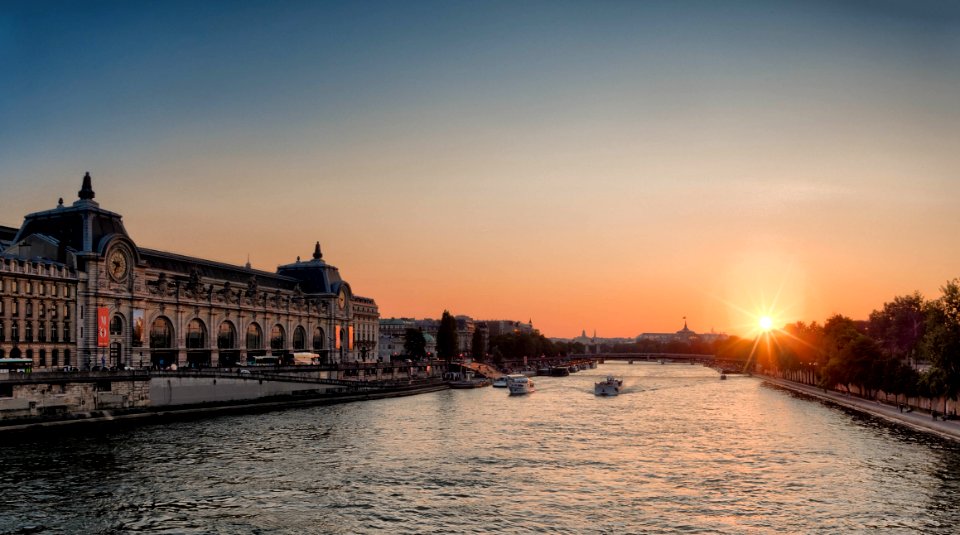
{"type": "Point", "coordinates": [679, 450]}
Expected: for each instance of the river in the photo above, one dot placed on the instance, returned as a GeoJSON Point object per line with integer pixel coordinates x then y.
{"type": "Point", "coordinates": [678, 451]}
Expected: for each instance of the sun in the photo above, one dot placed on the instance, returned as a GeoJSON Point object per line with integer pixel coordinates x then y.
{"type": "Point", "coordinates": [766, 323]}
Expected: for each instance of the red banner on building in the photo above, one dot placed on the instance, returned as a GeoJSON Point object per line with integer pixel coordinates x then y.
{"type": "Point", "coordinates": [103, 327]}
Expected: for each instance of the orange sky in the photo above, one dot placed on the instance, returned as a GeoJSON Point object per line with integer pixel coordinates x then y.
{"type": "Point", "coordinates": [616, 171]}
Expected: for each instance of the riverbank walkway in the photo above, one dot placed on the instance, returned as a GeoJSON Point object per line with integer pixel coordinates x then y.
{"type": "Point", "coordinates": [917, 420]}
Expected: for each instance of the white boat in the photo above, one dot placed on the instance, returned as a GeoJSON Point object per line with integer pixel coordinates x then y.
{"type": "Point", "coordinates": [519, 384]}
{"type": "Point", "coordinates": [609, 387]}
{"type": "Point", "coordinates": [500, 382]}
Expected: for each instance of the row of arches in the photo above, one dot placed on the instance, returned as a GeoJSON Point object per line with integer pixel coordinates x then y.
{"type": "Point", "coordinates": [162, 336]}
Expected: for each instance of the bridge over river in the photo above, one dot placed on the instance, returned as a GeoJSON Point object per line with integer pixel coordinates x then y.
{"type": "Point", "coordinates": [710, 361]}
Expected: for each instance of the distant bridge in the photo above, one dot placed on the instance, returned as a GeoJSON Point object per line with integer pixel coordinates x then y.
{"type": "Point", "coordinates": [710, 361]}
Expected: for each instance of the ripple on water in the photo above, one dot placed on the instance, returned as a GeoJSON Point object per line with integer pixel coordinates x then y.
{"type": "Point", "coordinates": [679, 452]}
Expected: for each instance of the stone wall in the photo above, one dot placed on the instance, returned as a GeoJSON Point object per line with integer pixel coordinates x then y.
{"type": "Point", "coordinates": [40, 399]}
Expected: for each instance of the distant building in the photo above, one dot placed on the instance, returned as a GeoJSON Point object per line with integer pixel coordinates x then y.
{"type": "Point", "coordinates": [393, 329]}
{"type": "Point", "coordinates": [684, 335]}
{"type": "Point", "coordinates": [391, 337]}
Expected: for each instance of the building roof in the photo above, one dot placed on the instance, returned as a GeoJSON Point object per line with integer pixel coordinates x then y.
{"type": "Point", "coordinates": [65, 224]}
{"type": "Point", "coordinates": [215, 270]}
{"type": "Point", "coordinates": [315, 275]}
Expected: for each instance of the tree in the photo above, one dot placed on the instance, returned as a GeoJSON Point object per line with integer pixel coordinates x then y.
{"type": "Point", "coordinates": [477, 350]}
{"type": "Point", "coordinates": [899, 326]}
{"type": "Point", "coordinates": [941, 343]}
{"type": "Point", "coordinates": [447, 346]}
{"type": "Point", "coordinates": [414, 344]}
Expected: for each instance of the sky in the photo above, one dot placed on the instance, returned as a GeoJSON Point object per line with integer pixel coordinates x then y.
{"type": "Point", "coordinates": [608, 166]}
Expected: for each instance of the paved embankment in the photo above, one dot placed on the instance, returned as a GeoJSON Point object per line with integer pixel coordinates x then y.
{"type": "Point", "coordinates": [106, 418]}
{"type": "Point", "coordinates": [919, 421]}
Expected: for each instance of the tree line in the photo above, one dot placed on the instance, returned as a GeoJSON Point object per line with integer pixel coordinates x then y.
{"type": "Point", "coordinates": [910, 347]}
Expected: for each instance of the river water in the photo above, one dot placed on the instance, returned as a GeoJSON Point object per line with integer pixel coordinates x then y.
{"type": "Point", "coordinates": [679, 451]}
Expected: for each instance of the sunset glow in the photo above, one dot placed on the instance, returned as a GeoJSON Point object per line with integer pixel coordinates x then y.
{"type": "Point", "coordinates": [766, 323]}
{"type": "Point", "coordinates": [611, 166]}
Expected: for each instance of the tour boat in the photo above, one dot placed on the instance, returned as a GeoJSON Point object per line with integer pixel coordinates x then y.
{"type": "Point", "coordinates": [519, 384]}
{"type": "Point", "coordinates": [500, 382]}
{"type": "Point", "coordinates": [609, 387]}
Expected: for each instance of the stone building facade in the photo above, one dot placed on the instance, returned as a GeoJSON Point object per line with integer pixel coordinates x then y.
{"type": "Point", "coordinates": [133, 306]}
{"type": "Point", "coordinates": [37, 312]}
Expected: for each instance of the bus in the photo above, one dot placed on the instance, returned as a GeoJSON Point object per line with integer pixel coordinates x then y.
{"type": "Point", "coordinates": [15, 365]}
{"type": "Point", "coordinates": [305, 358]}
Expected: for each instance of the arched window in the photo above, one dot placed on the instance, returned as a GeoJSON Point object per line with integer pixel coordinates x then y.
{"type": "Point", "coordinates": [43, 357]}
{"type": "Point", "coordinates": [116, 325]}
{"type": "Point", "coordinates": [15, 353]}
{"type": "Point", "coordinates": [161, 333]}
{"type": "Point", "coordinates": [227, 336]}
{"type": "Point", "coordinates": [299, 338]}
{"type": "Point", "coordinates": [55, 357]}
{"type": "Point", "coordinates": [196, 335]}
{"type": "Point", "coordinates": [277, 337]}
{"type": "Point", "coordinates": [254, 337]}
{"type": "Point", "coordinates": [318, 338]}
{"type": "Point", "coordinates": [30, 354]}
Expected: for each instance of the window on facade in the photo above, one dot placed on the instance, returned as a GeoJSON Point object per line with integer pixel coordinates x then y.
{"type": "Point", "coordinates": [1, 307]}
{"type": "Point", "coordinates": [66, 312]}
{"type": "Point", "coordinates": [1, 353]}
{"type": "Point", "coordinates": [15, 308]}
{"type": "Point", "coordinates": [66, 332]}
{"type": "Point", "coordinates": [42, 331]}
{"type": "Point", "coordinates": [53, 331]}
{"type": "Point", "coordinates": [41, 311]}
{"type": "Point", "coordinates": [254, 337]}
{"type": "Point", "coordinates": [29, 287]}
{"type": "Point", "coordinates": [53, 312]}
{"type": "Point", "coordinates": [161, 333]}
{"type": "Point", "coordinates": [116, 325]}
{"type": "Point", "coordinates": [66, 357]}
{"type": "Point", "coordinates": [196, 335]}
{"type": "Point", "coordinates": [29, 309]}
{"type": "Point", "coordinates": [299, 339]}
{"type": "Point", "coordinates": [277, 338]}
{"type": "Point", "coordinates": [226, 336]}
{"type": "Point", "coordinates": [15, 331]}
{"type": "Point", "coordinates": [29, 331]}
{"type": "Point", "coordinates": [43, 358]}
{"type": "Point", "coordinates": [55, 357]}
{"type": "Point", "coordinates": [318, 338]}
{"type": "Point", "coordinates": [3, 332]}
{"type": "Point", "coordinates": [42, 288]}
